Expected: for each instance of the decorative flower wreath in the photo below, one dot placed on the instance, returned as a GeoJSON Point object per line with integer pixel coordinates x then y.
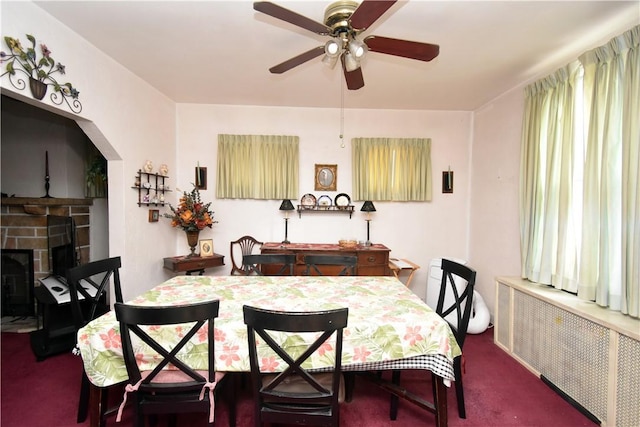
{"type": "Point", "coordinates": [191, 214]}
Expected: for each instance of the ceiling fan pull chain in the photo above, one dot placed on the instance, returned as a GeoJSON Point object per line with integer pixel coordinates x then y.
{"type": "Point", "coordinates": [341, 113]}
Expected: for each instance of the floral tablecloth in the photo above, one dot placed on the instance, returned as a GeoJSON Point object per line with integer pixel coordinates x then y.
{"type": "Point", "coordinates": [389, 327]}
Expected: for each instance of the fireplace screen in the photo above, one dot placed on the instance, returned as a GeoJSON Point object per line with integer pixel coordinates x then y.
{"type": "Point", "coordinates": [17, 282]}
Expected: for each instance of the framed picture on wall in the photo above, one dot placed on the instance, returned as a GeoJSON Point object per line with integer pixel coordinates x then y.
{"type": "Point", "coordinates": [206, 247]}
{"type": "Point", "coordinates": [326, 177]}
{"type": "Point", "coordinates": [154, 215]}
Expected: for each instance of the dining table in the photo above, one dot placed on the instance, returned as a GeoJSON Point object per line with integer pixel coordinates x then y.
{"type": "Point", "coordinates": [389, 328]}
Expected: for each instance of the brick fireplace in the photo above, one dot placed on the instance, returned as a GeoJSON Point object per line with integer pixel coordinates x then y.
{"type": "Point", "coordinates": [24, 226]}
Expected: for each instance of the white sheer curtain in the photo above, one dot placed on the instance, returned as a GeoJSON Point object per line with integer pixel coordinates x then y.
{"type": "Point", "coordinates": [580, 179]}
{"type": "Point", "coordinates": [549, 235]}
{"type": "Point", "coordinates": [611, 244]}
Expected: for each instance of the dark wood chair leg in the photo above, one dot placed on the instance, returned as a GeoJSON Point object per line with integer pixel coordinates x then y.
{"type": "Point", "coordinates": [439, 400]}
{"type": "Point", "coordinates": [139, 419]}
{"type": "Point", "coordinates": [232, 395]}
{"type": "Point", "coordinates": [349, 385]}
{"type": "Point", "coordinates": [95, 403]}
{"type": "Point", "coordinates": [83, 402]}
{"type": "Point", "coordinates": [393, 407]}
{"type": "Point", "coordinates": [457, 369]}
{"type": "Point", "coordinates": [104, 402]}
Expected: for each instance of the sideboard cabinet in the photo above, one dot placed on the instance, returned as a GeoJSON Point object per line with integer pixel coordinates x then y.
{"type": "Point", "coordinates": [372, 260]}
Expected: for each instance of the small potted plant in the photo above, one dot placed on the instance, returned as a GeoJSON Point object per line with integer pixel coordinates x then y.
{"type": "Point", "coordinates": [97, 177]}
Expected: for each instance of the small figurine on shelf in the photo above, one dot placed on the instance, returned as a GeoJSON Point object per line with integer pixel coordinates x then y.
{"type": "Point", "coordinates": [148, 166]}
{"type": "Point", "coordinates": [145, 198]}
{"type": "Point", "coordinates": [164, 170]}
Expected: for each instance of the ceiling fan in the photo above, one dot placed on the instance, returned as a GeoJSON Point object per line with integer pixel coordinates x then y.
{"type": "Point", "coordinates": [344, 20]}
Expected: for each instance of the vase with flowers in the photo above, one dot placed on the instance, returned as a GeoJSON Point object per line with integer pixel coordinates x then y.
{"type": "Point", "coordinates": [192, 216]}
{"type": "Point", "coordinates": [40, 71]}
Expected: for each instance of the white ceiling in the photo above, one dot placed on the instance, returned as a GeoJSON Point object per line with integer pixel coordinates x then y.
{"type": "Point", "coordinates": [219, 52]}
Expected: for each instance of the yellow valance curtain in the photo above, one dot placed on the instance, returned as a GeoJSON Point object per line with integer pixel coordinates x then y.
{"type": "Point", "coordinates": [397, 169]}
{"type": "Point", "coordinates": [257, 167]}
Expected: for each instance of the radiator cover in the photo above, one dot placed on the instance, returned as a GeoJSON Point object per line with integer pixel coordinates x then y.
{"type": "Point", "coordinates": [595, 365]}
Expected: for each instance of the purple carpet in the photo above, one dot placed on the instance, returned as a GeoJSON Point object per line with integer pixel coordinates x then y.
{"type": "Point", "coordinates": [498, 392]}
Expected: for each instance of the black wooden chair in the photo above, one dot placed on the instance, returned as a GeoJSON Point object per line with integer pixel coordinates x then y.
{"type": "Point", "coordinates": [282, 264]}
{"type": "Point", "coordinates": [238, 249]}
{"type": "Point", "coordinates": [95, 277]}
{"type": "Point", "coordinates": [312, 402]}
{"type": "Point", "coordinates": [454, 305]}
{"type": "Point", "coordinates": [173, 391]}
{"type": "Point", "coordinates": [347, 262]}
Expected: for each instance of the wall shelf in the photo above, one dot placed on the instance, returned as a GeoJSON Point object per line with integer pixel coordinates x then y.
{"type": "Point", "coordinates": [325, 209]}
{"type": "Point", "coordinates": [151, 188]}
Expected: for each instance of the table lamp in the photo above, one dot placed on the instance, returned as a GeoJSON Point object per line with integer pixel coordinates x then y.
{"type": "Point", "coordinates": [368, 208]}
{"type": "Point", "coordinates": [286, 206]}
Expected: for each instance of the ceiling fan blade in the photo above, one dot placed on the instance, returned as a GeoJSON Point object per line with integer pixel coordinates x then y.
{"type": "Point", "coordinates": [291, 17]}
{"type": "Point", "coordinates": [405, 48]}
{"type": "Point", "coordinates": [368, 12]}
{"type": "Point", "coordinates": [354, 78]}
{"type": "Point", "coordinates": [297, 60]}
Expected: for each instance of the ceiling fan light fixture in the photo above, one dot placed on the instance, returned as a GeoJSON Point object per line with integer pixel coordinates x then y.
{"type": "Point", "coordinates": [330, 61]}
{"type": "Point", "coordinates": [332, 48]}
{"type": "Point", "coordinates": [357, 48]}
{"type": "Point", "coordinates": [350, 62]}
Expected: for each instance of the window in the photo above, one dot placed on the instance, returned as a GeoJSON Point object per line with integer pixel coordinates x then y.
{"type": "Point", "coordinates": [396, 169]}
{"type": "Point", "coordinates": [580, 166]}
{"type": "Point", "coordinates": [257, 167]}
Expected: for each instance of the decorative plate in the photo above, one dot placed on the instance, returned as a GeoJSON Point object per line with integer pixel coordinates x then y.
{"type": "Point", "coordinates": [324, 202]}
{"type": "Point", "coordinates": [308, 201]}
{"type": "Point", "coordinates": [342, 201]}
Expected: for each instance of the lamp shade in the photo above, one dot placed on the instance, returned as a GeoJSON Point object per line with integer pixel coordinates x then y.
{"type": "Point", "coordinates": [332, 48]}
{"type": "Point", "coordinates": [330, 61]}
{"type": "Point", "coordinates": [350, 62]}
{"type": "Point", "coordinates": [368, 207]}
{"type": "Point", "coordinates": [286, 205]}
{"type": "Point", "coordinates": [357, 48]}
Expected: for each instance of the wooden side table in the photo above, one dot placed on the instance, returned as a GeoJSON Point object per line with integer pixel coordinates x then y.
{"type": "Point", "coordinates": [397, 266]}
{"type": "Point", "coordinates": [195, 264]}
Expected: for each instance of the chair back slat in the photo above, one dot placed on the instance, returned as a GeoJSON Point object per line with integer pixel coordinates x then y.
{"type": "Point", "coordinates": [456, 294]}
{"type": "Point", "coordinates": [313, 402]}
{"type": "Point", "coordinates": [131, 319]}
{"type": "Point", "coordinates": [253, 265]}
{"type": "Point", "coordinates": [174, 385]}
{"type": "Point", "coordinates": [98, 274]}
{"type": "Point", "coordinates": [347, 262]}
{"type": "Point", "coordinates": [238, 249]}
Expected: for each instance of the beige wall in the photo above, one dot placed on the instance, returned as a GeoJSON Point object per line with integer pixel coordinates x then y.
{"type": "Point", "coordinates": [494, 239]}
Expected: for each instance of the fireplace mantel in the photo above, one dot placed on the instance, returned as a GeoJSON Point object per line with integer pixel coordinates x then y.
{"type": "Point", "coordinates": [39, 205]}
